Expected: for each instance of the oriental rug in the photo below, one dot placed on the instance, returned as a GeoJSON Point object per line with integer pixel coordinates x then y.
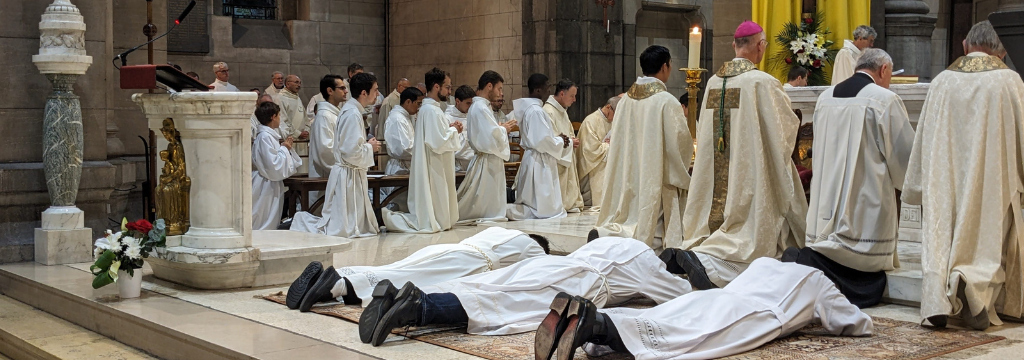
{"type": "Point", "coordinates": [892, 339]}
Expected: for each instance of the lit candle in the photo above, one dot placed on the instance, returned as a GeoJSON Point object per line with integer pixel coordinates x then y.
{"type": "Point", "coordinates": [694, 60]}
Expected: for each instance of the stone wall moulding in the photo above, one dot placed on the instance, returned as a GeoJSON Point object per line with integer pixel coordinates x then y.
{"type": "Point", "coordinates": [62, 40]}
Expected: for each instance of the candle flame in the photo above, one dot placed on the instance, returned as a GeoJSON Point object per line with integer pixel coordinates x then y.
{"type": "Point", "coordinates": [696, 30]}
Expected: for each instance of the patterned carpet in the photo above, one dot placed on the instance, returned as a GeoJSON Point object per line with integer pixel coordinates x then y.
{"type": "Point", "coordinates": [892, 340]}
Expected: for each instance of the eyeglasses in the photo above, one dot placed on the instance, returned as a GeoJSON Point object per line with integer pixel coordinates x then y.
{"type": "Point", "coordinates": [224, 71]}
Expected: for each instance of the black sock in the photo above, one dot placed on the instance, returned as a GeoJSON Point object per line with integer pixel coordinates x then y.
{"type": "Point", "coordinates": [611, 336]}
{"type": "Point", "coordinates": [350, 297]}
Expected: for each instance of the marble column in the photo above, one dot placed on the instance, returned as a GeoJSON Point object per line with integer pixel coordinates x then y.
{"type": "Point", "coordinates": [908, 31]}
{"type": "Point", "coordinates": [63, 238]}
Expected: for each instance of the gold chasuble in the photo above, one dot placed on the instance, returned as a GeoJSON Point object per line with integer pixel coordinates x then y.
{"type": "Point", "coordinates": [745, 198]}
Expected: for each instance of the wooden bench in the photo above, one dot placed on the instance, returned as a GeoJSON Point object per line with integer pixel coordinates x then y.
{"type": "Point", "coordinates": [300, 186]}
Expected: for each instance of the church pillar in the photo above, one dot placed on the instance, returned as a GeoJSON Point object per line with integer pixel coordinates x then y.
{"type": "Point", "coordinates": [908, 29]}
{"type": "Point", "coordinates": [63, 237]}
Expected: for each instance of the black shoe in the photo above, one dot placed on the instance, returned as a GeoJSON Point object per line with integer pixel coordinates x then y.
{"type": "Point", "coordinates": [695, 271]}
{"type": "Point", "coordinates": [592, 235]}
{"type": "Point", "coordinates": [285, 225]}
{"type": "Point", "coordinates": [302, 283]}
{"type": "Point", "coordinates": [405, 312]}
{"type": "Point", "coordinates": [938, 321]}
{"type": "Point", "coordinates": [979, 322]}
{"type": "Point", "coordinates": [671, 264]}
{"type": "Point", "coordinates": [790, 255]}
{"type": "Point", "coordinates": [552, 327]}
{"type": "Point", "coordinates": [321, 289]}
{"type": "Point", "coordinates": [584, 326]}
{"type": "Point", "coordinates": [383, 298]}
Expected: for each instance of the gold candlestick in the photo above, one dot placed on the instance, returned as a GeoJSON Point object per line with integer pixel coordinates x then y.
{"type": "Point", "coordinates": [693, 78]}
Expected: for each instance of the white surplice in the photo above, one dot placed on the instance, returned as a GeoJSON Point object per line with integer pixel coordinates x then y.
{"type": "Point", "coordinates": [966, 173]}
{"type": "Point", "coordinates": [482, 192]}
{"type": "Point", "coordinates": [491, 249]}
{"type": "Point", "coordinates": [293, 115]}
{"type": "Point", "coordinates": [399, 133]}
{"type": "Point", "coordinates": [769, 301]}
{"type": "Point", "coordinates": [273, 91]}
{"type": "Point", "coordinates": [645, 189]}
{"type": "Point", "coordinates": [846, 62]}
{"type": "Point", "coordinates": [606, 271]}
{"type": "Point", "coordinates": [745, 199]}
{"type": "Point", "coordinates": [433, 206]}
{"type": "Point", "coordinates": [569, 181]}
{"type": "Point", "coordinates": [254, 127]}
{"type": "Point", "coordinates": [862, 146]}
{"type": "Point", "coordinates": [538, 191]}
{"type": "Point", "coordinates": [321, 140]}
{"type": "Point", "coordinates": [271, 164]}
{"type": "Point", "coordinates": [222, 86]}
{"type": "Point", "coordinates": [393, 100]}
{"type": "Point", "coordinates": [592, 157]}
{"type": "Point", "coordinates": [311, 106]}
{"type": "Point", "coordinates": [465, 153]}
{"type": "Point", "coordinates": [347, 210]}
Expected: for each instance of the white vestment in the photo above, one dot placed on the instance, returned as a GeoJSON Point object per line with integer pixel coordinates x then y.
{"type": "Point", "coordinates": [273, 91]}
{"type": "Point", "coordinates": [569, 181]}
{"type": "Point", "coordinates": [846, 62]}
{"type": "Point", "coordinates": [399, 134]}
{"type": "Point", "coordinates": [538, 193]}
{"type": "Point", "coordinates": [432, 203]}
{"type": "Point", "coordinates": [311, 106]}
{"type": "Point", "coordinates": [393, 100]}
{"type": "Point", "coordinates": [482, 192]}
{"type": "Point", "coordinates": [606, 271]}
{"type": "Point", "coordinates": [491, 249]}
{"type": "Point", "coordinates": [222, 86]}
{"type": "Point", "coordinates": [347, 210]}
{"type": "Point", "coordinates": [254, 127]}
{"type": "Point", "coordinates": [966, 173]}
{"type": "Point", "coordinates": [745, 200]}
{"type": "Point", "coordinates": [271, 164]}
{"type": "Point", "coordinates": [592, 157]}
{"type": "Point", "coordinates": [648, 177]}
{"type": "Point", "coordinates": [769, 301]}
{"type": "Point", "coordinates": [293, 115]}
{"type": "Point", "coordinates": [861, 148]}
{"type": "Point", "coordinates": [321, 140]}
{"type": "Point", "coordinates": [465, 153]}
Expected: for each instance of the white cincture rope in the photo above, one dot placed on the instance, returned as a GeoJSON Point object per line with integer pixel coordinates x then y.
{"type": "Point", "coordinates": [490, 265]}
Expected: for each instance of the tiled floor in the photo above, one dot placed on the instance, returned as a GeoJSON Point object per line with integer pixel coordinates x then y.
{"type": "Point", "coordinates": [565, 234]}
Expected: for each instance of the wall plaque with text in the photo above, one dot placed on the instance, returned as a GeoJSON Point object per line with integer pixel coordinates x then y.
{"type": "Point", "coordinates": [193, 34]}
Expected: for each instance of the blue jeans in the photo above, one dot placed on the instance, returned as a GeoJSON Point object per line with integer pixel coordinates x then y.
{"type": "Point", "coordinates": [443, 308]}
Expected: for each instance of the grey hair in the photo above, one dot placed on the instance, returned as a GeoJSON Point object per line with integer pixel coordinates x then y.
{"type": "Point", "coordinates": [277, 73]}
{"type": "Point", "coordinates": [748, 40]}
{"type": "Point", "coordinates": [219, 65]}
{"type": "Point", "coordinates": [983, 37]}
{"type": "Point", "coordinates": [614, 102]}
{"type": "Point", "coordinates": [873, 59]}
{"type": "Point", "coordinates": [864, 32]}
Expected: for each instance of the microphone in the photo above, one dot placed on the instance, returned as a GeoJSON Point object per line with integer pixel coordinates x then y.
{"type": "Point", "coordinates": [124, 56]}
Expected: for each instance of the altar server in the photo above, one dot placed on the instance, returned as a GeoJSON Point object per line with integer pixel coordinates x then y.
{"type": "Point", "coordinates": [322, 131]}
{"type": "Point", "coordinates": [556, 107]}
{"type": "Point", "coordinates": [399, 134]}
{"type": "Point", "coordinates": [592, 156]}
{"type": "Point", "coordinates": [272, 162]}
{"type": "Point", "coordinates": [457, 113]}
{"type": "Point", "coordinates": [482, 194]}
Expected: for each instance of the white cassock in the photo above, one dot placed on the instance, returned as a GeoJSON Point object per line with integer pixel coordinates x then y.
{"type": "Point", "coordinates": [393, 100]}
{"type": "Point", "coordinates": [273, 91]}
{"type": "Point", "coordinates": [399, 133]}
{"type": "Point", "coordinates": [347, 210]}
{"type": "Point", "coordinates": [254, 126]}
{"type": "Point", "coordinates": [432, 203]}
{"type": "Point", "coordinates": [311, 106]}
{"type": "Point", "coordinates": [846, 62]}
{"type": "Point", "coordinates": [491, 249]}
{"type": "Point", "coordinates": [965, 171]}
{"type": "Point", "coordinates": [569, 181]}
{"type": "Point", "coordinates": [538, 193]}
{"type": "Point", "coordinates": [745, 200]}
{"type": "Point", "coordinates": [769, 301]}
{"type": "Point", "coordinates": [592, 157]}
{"type": "Point", "coordinates": [482, 194]}
{"type": "Point", "coordinates": [222, 86]}
{"type": "Point", "coordinates": [321, 144]}
{"type": "Point", "coordinates": [271, 164]}
{"type": "Point", "coordinates": [293, 114]}
{"type": "Point", "coordinates": [648, 167]}
{"type": "Point", "coordinates": [607, 271]}
{"type": "Point", "coordinates": [465, 153]}
{"type": "Point", "coordinates": [861, 148]}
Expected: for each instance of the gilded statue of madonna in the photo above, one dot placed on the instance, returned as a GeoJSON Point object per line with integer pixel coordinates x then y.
{"type": "Point", "coordinates": [172, 193]}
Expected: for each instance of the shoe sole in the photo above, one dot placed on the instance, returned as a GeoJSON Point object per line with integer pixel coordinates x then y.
{"type": "Point", "coordinates": [695, 271]}
{"type": "Point", "coordinates": [566, 350]}
{"type": "Point", "coordinates": [308, 301]}
{"type": "Point", "coordinates": [301, 285]}
{"type": "Point", "coordinates": [379, 333]}
{"type": "Point", "coordinates": [549, 331]}
{"type": "Point", "coordinates": [383, 298]}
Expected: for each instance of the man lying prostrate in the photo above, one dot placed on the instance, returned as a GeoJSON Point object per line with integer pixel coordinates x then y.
{"type": "Point", "coordinates": [491, 249]}
{"type": "Point", "coordinates": [515, 299]}
{"type": "Point", "coordinates": [769, 300]}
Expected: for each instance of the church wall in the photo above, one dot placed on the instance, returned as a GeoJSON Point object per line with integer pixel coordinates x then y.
{"type": "Point", "coordinates": [464, 38]}
{"type": "Point", "coordinates": [728, 14]}
{"type": "Point", "coordinates": [940, 37]}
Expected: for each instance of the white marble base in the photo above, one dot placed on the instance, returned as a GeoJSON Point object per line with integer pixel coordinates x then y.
{"type": "Point", "coordinates": [55, 247]}
{"type": "Point", "coordinates": [63, 218]}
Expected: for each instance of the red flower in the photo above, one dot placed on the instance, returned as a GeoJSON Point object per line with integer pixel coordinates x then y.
{"type": "Point", "coordinates": [808, 20]}
{"type": "Point", "coordinates": [817, 63]}
{"type": "Point", "coordinates": [801, 51]}
{"type": "Point", "coordinates": [789, 60]}
{"type": "Point", "coordinates": [141, 226]}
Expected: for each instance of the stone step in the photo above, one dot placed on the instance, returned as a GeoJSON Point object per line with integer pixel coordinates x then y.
{"type": "Point", "coordinates": [28, 333]}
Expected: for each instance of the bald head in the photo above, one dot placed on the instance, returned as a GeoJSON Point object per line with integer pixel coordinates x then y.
{"type": "Point", "coordinates": [403, 84]}
{"type": "Point", "coordinates": [422, 87]}
{"type": "Point", "coordinates": [264, 98]}
{"type": "Point", "coordinates": [293, 83]}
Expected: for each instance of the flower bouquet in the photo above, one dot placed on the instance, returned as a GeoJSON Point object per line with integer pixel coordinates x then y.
{"type": "Point", "coordinates": [805, 45]}
{"type": "Point", "coordinates": [120, 254]}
